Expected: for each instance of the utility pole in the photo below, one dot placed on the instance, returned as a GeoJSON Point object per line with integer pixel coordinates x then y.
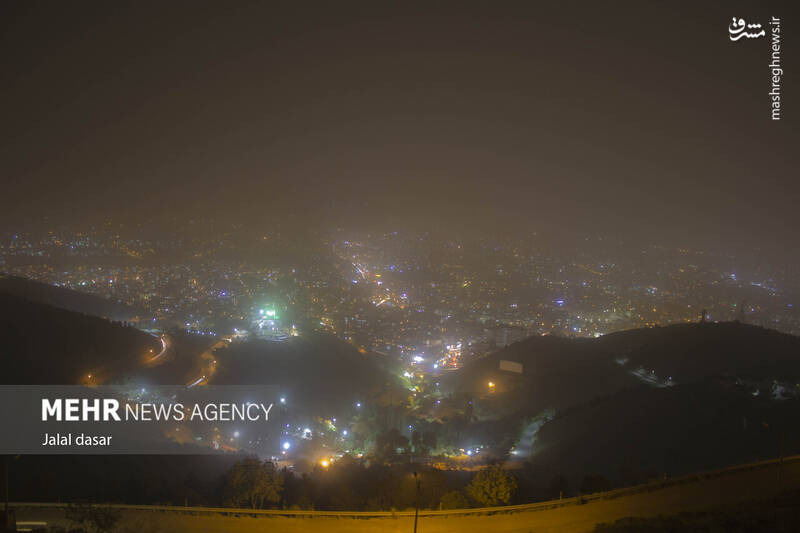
{"type": "Point", "coordinates": [5, 476]}
{"type": "Point", "coordinates": [418, 481]}
{"type": "Point", "coordinates": [780, 459]}
{"type": "Point", "coordinates": [6, 519]}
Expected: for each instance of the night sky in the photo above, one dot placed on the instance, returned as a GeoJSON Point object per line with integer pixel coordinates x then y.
{"type": "Point", "coordinates": [629, 118]}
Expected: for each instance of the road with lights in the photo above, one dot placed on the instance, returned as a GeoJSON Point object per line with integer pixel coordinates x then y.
{"type": "Point", "coordinates": [208, 364]}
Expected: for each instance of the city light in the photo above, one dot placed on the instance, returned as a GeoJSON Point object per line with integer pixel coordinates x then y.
{"type": "Point", "coordinates": [393, 205]}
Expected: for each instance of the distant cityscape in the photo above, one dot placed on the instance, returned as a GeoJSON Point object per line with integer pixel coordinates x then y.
{"type": "Point", "coordinates": [418, 297]}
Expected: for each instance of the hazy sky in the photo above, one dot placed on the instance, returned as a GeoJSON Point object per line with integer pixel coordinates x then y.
{"type": "Point", "coordinates": [635, 117]}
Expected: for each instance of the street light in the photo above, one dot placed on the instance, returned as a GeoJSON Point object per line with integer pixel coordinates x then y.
{"type": "Point", "coordinates": [418, 481]}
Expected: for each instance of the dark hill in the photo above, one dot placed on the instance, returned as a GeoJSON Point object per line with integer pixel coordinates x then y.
{"type": "Point", "coordinates": [317, 372]}
{"type": "Point", "coordinates": [557, 372]}
{"type": "Point", "coordinates": [46, 345]}
{"type": "Point", "coordinates": [560, 372]}
{"type": "Point", "coordinates": [67, 299]}
{"type": "Point", "coordinates": [734, 395]}
{"type": "Point", "coordinates": [693, 351]}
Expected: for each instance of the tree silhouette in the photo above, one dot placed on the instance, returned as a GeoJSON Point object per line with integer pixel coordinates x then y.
{"type": "Point", "coordinates": [492, 486]}
{"type": "Point", "coordinates": [251, 483]}
{"type": "Point", "coordinates": [454, 499]}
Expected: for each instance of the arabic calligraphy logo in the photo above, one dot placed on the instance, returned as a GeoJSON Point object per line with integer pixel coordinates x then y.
{"type": "Point", "coordinates": [739, 29]}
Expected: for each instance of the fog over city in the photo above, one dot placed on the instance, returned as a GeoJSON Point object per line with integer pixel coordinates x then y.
{"type": "Point", "coordinates": [395, 117]}
{"type": "Point", "coordinates": [511, 266]}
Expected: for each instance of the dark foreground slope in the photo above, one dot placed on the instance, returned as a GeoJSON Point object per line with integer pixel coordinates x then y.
{"type": "Point", "coordinates": [640, 434]}
{"type": "Point", "coordinates": [46, 345]}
